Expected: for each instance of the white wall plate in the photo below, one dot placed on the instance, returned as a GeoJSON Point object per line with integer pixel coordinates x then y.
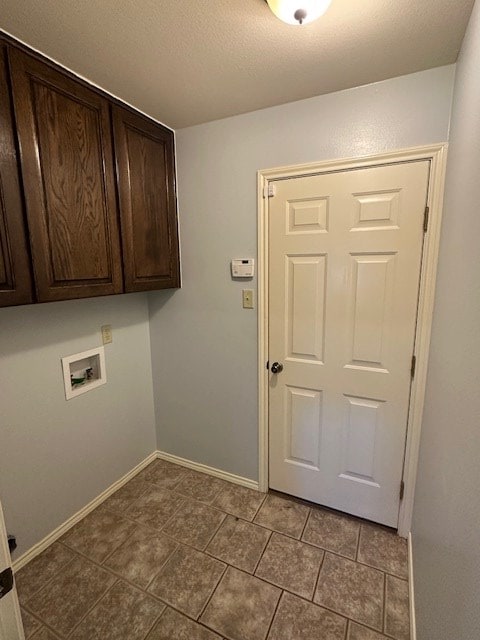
{"type": "Point", "coordinates": [83, 372]}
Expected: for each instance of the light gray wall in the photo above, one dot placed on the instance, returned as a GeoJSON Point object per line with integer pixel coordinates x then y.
{"type": "Point", "coordinates": [56, 456]}
{"type": "Point", "coordinates": [446, 527]}
{"type": "Point", "coordinates": [204, 345]}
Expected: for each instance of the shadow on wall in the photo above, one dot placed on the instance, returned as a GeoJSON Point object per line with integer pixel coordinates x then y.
{"type": "Point", "coordinates": [158, 299]}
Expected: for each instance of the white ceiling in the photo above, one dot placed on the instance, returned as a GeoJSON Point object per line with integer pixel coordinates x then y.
{"type": "Point", "coordinates": [191, 61]}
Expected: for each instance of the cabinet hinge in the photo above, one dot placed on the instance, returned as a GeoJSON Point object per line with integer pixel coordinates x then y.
{"type": "Point", "coordinates": [402, 489]}
{"type": "Point", "coordinates": [269, 190]}
{"type": "Point", "coordinates": [425, 219]}
{"type": "Point", "coordinates": [413, 365]}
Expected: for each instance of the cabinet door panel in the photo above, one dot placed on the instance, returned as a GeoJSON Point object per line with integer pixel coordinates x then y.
{"type": "Point", "coordinates": [15, 281]}
{"type": "Point", "coordinates": [146, 185]}
{"type": "Point", "coordinates": [67, 164]}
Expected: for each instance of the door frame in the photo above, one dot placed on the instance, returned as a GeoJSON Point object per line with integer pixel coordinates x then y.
{"type": "Point", "coordinates": [11, 626]}
{"type": "Point", "coordinates": [436, 154]}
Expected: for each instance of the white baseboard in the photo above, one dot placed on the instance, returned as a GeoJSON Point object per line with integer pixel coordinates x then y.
{"type": "Point", "coordinates": [68, 524]}
{"type": "Point", "coordinates": [411, 590]}
{"type": "Point", "coordinates": [212, 471]}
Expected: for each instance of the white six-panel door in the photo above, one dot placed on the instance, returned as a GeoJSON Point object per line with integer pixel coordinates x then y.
{"type": "Point", "coordinates": [345, 252]}
{"type": "Point", "coordinates": [10, 620]}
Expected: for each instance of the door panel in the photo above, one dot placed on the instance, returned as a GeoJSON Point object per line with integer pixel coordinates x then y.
{"type": "Point", "coordinates": [305, 307]}
{"type": "Point", "coordinates": [15, 279]}
{"type": "Point", "coordinates": [145, 174]}
{"type": "Point", "coordinates": [67, 165]}
{"type": "Point", "coordinates": [345, 253]}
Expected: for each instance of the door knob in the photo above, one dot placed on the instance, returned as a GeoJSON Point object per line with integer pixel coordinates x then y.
{"type": "Point", "coordinates": [277, 367]}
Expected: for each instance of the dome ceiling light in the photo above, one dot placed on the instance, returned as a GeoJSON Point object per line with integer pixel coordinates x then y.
{"type": "Point", "coordinates": [298, 11]}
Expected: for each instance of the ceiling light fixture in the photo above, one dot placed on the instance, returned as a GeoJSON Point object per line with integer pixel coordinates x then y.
{"type": "Point", "coordinates": [298, 11]}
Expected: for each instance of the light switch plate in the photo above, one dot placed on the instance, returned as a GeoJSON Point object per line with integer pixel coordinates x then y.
{"type": "Point", "coordinates": [247, 298]}
{"type": "Point", "coordinates": [107, 337]}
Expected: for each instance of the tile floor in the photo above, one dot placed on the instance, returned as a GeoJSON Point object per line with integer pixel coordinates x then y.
{"type": "Point", "coordinates": [179, 555]}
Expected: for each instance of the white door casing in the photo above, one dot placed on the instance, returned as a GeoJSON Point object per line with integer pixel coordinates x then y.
{"type": "Point", "coordinates": [11, 627]}
{"type": "Point", "coordinates": [345, 260]}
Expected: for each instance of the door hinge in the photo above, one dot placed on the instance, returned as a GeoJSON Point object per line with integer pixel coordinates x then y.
{"type": "Point", "coordinates": [6, 582]}
{"type": "Point", "coordinates": [402, 489]}
{"type": "Point", "coordinates": [269, 190]}
{"type": "Point", "coordinates": [268, 365]}
{"type": "Point", "coordinates": [413, 365]}
{"type": "Point", "coordinates": [425, 219]}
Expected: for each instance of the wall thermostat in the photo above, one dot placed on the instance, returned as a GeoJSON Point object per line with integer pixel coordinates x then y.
{"type": "Point", "coordinates": [243, 267]}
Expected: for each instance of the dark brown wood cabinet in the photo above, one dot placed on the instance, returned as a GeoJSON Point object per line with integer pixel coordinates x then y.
{"type": "Point", "coordinates": [15, 278]}
{"type": "Point", "coordinates": [67, 166]}
{"type": "Point", "coordinates": [88, 203]}
{"type": "Point", "coordinates": [146, 187]}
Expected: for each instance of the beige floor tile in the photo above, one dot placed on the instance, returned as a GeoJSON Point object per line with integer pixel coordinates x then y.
{"type": "Point", "coordinates": [194, 524]}
{"type": "Point", "coordinates": [175, 626]}
{"type": "Point", "coordinates": [126, 495]}
{"type": "Point", "coordinates": [291, 565]}
{"type": "Point", "coordinates": [163, 473]}
{"type": "Point", "coordinates": [200, 486]}
{"type": "Point", "coordinates": [359, 632]}
{"type": "Point", "coordinates": [124, 612]}
{"type": "Point", "coordinates": [239, 501]}
{"type": "Point", "coordinates": [397, 616]}
{"type": "Point", "coordinates": [282, 515]}
{"type": "Point", "coordinates": [384, 550]}
{"type": "Point", "coordinates": [41, 569]}
{"type": "Point", "coordinates": [332, 532]}
{"type": "Point", "coordinates": [154, 507]}
{"type": "Point", "coordinates": [297, 619]}
{"type": "Point", "coordinates": [141, 556]}
{"type": "Point", "coordinates": [187, 580]}
{"type": "Point", "coordinates": [97, 535]}
{"type": "Point", "coordinates": [30, 624]}
{"type": "Point", "coordinates": [44, 634]}
{"type": "Point", "coordinates": [239, 543]}
{"type": "Point", "coordinates": [351, 589]}
{"type": "Point", "coordinates": [63, 602]}
{"type": "Point", "coordinates": [242, 606]}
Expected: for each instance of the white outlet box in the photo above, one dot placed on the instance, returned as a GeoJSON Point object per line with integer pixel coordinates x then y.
{"type": "Point", "coordinates": [83, 372]}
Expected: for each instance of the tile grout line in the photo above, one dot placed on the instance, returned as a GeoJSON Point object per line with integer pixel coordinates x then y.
{"type": "Point", "coordinates": [166, 561]}
{"type": "Point", "coordinates": [91, 609]}
{"type": "Point", "coordinates": [359, 536]}
{"type": "Point", "coordinates": [274, 614]}
{"type": "Point", "coordinates": [262, 554]}
{"type": "Point", "coordinates": [348, 628]}
{"type": "Point", "coordinates": [318, 578]}
{"type": "Point", "coordinates": [202, 611]}
{"type": "Point", "coordinates": [305, 524]}
{"type": "Point", "coordinates": [156, 621]}
{"type": "Point", "coordinates": [45, 584]}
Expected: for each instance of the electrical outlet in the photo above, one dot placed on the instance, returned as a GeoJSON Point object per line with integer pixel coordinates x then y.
{"type": "Point", "coordinates": [247, 298]}
{"type": "Point", "coordinates": [107, 334]}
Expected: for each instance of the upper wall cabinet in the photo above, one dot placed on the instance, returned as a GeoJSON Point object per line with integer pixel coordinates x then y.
{"type": "Point", "coordinates": [146, 187]}
{"type": "Point", "coordinates": [65, 143]}
{"type": "Point", "coordinates": [15, 282]}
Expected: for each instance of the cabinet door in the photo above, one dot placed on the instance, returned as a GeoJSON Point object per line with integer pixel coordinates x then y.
{"type": "Point", "coordinates": [15, 282]}
{"type": "Point", "coordinates": [68, 176]}
{"type": "Point", "coordinates": [146, 185]}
